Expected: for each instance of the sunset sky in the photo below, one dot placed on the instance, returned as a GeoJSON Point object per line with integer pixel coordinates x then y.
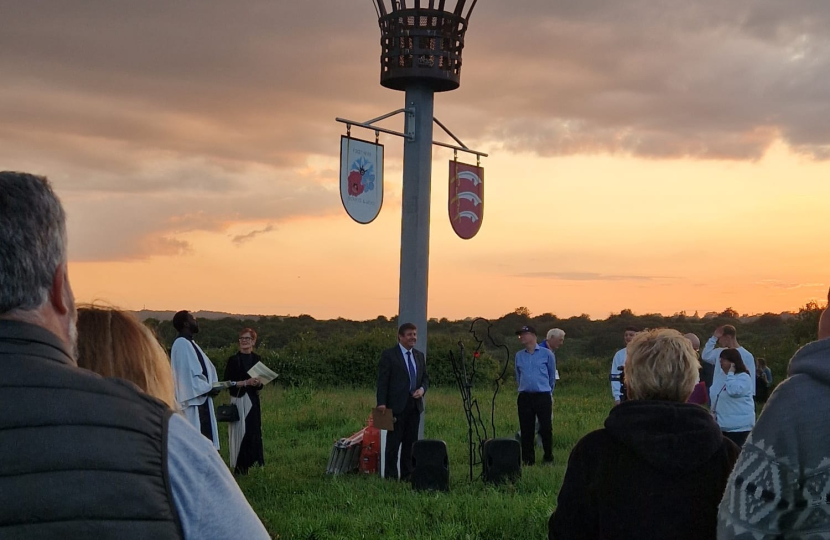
{"type": "Point", "coordinates": [657, 155]}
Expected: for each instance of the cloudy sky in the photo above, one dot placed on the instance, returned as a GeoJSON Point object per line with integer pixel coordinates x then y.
{"type": "Point", "coordinates": [657, 155]}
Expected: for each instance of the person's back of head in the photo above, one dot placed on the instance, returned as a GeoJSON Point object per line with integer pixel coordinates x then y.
{"type": "Point", "coordinates": [114, 343]}
{"type": "Point", "coordinates": [694, 340]}
{"type": "Point", "coordinates": [34, 286]}
{"type": "Point", "coordinates": [661, 365]}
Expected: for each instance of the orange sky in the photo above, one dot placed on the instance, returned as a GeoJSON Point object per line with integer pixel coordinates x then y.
{"type": "Point", "coordinates": [654, 156]}
{"type": "Point", "coordinates": [565, 235]}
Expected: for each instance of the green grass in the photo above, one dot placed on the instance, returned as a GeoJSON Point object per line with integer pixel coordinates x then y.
{"type": "Point", "coordinates": [296, 499]}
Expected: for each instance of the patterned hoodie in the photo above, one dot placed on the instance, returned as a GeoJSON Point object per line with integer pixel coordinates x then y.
{"type": "Point", "coordinates": [780, 487]}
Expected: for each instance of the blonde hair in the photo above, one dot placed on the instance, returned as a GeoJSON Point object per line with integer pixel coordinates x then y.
{"type": "Point", "coordinates": [114, 343]}
{"type": "Point", "coordinates": [661, 365]}
{"type": "Point", "coordinates": [554, 333]}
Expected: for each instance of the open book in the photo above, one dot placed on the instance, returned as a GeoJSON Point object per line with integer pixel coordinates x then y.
{"type": "Point", "coordinates": [262, 372]}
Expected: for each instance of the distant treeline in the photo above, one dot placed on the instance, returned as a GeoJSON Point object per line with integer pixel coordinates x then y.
{"type": "Point", "coordinates": [341, 351]}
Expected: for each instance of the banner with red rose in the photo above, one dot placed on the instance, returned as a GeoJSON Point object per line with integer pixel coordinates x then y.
{"type": "Point", "coordinates": [466, 199]}
{"type": "Point", "coordinates": [361, 178]}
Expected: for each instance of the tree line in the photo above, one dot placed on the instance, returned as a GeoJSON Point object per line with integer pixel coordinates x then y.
{"type": "Point", "coordinates": [341, 351]}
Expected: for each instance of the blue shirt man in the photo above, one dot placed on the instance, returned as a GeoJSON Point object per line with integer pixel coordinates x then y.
{"type": "Point", "coordinates": [536, 379]}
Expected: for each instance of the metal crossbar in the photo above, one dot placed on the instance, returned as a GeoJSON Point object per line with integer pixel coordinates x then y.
{"type": "Point", "coordinates": [369, 124]}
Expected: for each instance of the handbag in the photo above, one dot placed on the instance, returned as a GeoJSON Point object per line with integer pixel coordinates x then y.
{"type": "Point", "coordinates": [227, 413]}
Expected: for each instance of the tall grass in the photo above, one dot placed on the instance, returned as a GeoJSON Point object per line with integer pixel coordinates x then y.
{"type": "Point", "coordinates": [296, 499]}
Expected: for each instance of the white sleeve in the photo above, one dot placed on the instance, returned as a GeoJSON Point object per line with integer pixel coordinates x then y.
{"type": "Point", "coordinates": [738, 385]}
{"type": "Point", "coordinates": [207, 498]}
{"type": "Point", "coordinates": [619, 360]}
{"type": "Point", "coordinates": [710, 354]}
{"type": "Point", "coordinates": [191, 384]}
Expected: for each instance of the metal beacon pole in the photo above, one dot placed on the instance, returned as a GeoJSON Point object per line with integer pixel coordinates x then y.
{"type": "Point", "coordinates": [421, 44]}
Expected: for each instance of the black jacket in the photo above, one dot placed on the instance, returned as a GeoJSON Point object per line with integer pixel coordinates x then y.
{"type": "Point", "coordinates": [657, 470]}
{"type": "Point", "coordinates": [80, 456]}
{"type": "Point", "coordinates": [393, 379]}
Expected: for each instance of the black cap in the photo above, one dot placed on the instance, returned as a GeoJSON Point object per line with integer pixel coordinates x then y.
{"type": "Point", "coordinates": [526, 328]}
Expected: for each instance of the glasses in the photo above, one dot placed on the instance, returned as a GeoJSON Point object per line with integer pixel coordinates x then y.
{"type": "Point", "coordinates": [246, 339]}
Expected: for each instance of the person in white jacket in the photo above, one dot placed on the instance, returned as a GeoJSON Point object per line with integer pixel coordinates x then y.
{"type": "Point", "coordinates": [733, 406]}
{"type": "Point", "coordinates": [618, 362]}
{"type": "Point", "coordinates": [726, 337]}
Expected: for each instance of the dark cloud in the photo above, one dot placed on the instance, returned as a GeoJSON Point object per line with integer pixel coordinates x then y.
{"type": "Point", "coordinates": [242, 238]}
{"type": "Point", "coordinates": [127, 102]}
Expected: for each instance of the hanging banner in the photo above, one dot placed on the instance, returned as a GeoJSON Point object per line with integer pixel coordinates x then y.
{"type": "Point", "coordinates": [361, 178]}
{"type": "Point", "coordinates": [466, 200]}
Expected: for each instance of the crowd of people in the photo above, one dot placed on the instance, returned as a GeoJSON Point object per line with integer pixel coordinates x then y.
{"type": "Point", "coordinates": [105, 436]}
{"type": "Point", "coordinates": [666, 466]}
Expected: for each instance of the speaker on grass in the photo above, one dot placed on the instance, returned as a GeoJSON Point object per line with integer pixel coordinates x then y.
{"type": "Point", "coordinates": [502, 460]}
{"type": "Point", "coordinates": [430, 465]}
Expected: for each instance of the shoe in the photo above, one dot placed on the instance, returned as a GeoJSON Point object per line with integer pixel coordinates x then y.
{"type": "Point", "coordinates": [547, 460]}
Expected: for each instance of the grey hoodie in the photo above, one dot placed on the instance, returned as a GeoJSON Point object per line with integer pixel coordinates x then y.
{"type": "Point", "coordinates": [780, 487]}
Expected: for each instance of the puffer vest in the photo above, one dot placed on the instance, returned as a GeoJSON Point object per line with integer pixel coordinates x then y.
{"type": "Point", "coordinates": [80, 456]}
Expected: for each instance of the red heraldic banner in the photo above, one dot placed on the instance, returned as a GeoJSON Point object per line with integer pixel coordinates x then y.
{"type": "Point", "coordinates": [466, 200]}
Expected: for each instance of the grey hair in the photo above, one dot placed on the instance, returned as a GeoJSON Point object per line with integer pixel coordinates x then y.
{"type": "Point", "coordinates": [555, 333]}
{"type": "Point", "coordinates": [32, 240]}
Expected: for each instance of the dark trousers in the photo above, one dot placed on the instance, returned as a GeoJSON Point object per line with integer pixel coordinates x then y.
{"type": "Point", "coordinates": [204, 419]}
{"type": "Point", "coordinates": [737, 437]}
{"type": "Point", "coordinates": [533, 405]}
{"type": "Point", "coordinates": [405, 433]}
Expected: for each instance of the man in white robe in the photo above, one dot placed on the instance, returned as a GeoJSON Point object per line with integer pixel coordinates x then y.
{"type": "Point", "coordinates": [194, 375]}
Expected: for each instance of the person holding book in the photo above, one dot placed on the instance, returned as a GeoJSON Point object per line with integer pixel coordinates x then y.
{"type": "Point", "coordinates": [245, 436]}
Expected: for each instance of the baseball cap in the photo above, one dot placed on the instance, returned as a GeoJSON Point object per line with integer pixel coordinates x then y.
{"type": "Point", "coordinates": [526, 328]}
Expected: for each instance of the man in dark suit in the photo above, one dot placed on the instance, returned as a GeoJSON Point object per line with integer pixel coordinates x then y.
{"type": "Point", "coordinates": [402, 382]}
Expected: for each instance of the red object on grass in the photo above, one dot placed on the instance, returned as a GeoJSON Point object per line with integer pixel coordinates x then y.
{"type": "Point", "coordinates": [370, 451]}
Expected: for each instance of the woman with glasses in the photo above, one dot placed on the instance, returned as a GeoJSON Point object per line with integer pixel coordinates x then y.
{"type": "Point", "coordinates": [246, 434]}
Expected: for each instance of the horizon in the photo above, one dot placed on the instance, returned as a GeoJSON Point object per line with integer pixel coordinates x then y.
{"type": "Point", "coordinates": [656, 157]}
{"type": "Point", "coordinates": [708, 315]}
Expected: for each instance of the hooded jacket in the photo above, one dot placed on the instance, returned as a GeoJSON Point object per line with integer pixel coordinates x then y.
{"type": "Point", "coordinates": [780, 485]}
{"type": "Point", "coordinates": [657, 470]}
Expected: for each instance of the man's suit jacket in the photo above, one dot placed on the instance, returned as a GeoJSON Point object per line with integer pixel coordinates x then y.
{"type": "Point", "coordinates": [393, 379]}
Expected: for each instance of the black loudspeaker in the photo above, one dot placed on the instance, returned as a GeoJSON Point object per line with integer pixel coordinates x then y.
{"type": "Point", "coordinates": [502, 460]}
{"type": "Point", "coordinates": [430, 465]}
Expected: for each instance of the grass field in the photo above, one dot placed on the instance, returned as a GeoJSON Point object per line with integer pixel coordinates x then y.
{"type": "Point", "coordinates": [296, 499]}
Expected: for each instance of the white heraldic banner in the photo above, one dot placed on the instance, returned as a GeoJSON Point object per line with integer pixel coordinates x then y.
{"type": "Point", "coordinates": [361, 178]}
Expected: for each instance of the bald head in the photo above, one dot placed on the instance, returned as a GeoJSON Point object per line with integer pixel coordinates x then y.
{"type": "Point", "coordinates": [695, 341]}
{"type": "Point", "coordinates": [824, 321]}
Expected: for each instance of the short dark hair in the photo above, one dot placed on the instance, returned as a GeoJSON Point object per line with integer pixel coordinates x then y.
{"type": "Point", "coordinates": [729, 330]}
{"type": "Point", "coordinates": [734, 356]}
{"type": "Point", "coordinates": [179, 319]}
{"type": "Point", "coordinates": [406, 326]}
{"type": "Point", "coordinates": [631, 329]}
{"type": "Point", "coordinates": [32, 240]}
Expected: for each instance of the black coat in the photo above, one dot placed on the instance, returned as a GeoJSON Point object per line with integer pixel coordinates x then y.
{"type": "Point", "coordinates": [393, 379]}
{"type": "Point", "coordinates": [657, 470]}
